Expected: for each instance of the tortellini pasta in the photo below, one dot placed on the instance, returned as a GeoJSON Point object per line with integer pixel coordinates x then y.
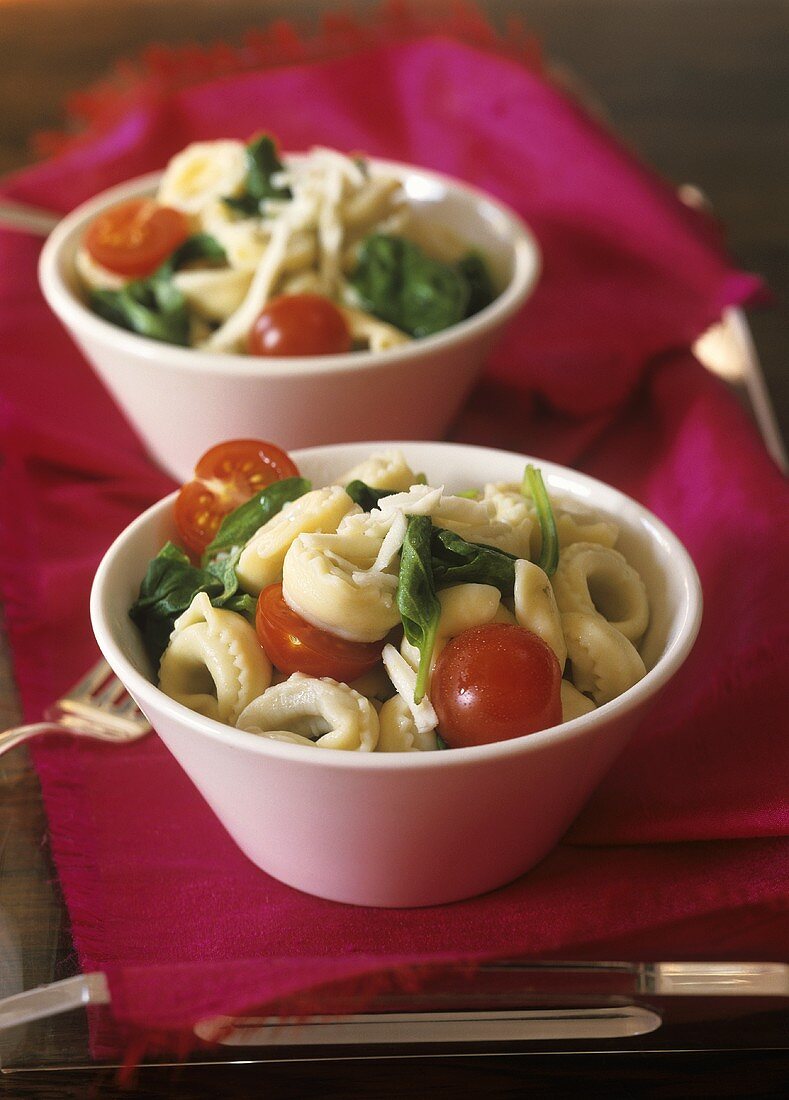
{"type": "Point", "coordinates": [311, 711]}
{"type": "Point", "coordinates": [340, 573]}
{"type": "Point", "coordinates": [213, 663]}
{"type": "Point", "coordinates": [398, 730]}
{"type": "Point", "coordinates": [388, 470]}
{"type": "Point", "coordinates": [605, 663]}
{"type": "Point", "coordinates": [203, 172]}
{"type": "Point", "coordinates": [462, 607]}
{"type": "Point", "coordinates": [329, 580]}
{"type": "Point", "coordinates": [263, 556]}
{"type": "Point", "coordinates": [536, 609]}
{"type": "Point", "coordinates": [597, 579]}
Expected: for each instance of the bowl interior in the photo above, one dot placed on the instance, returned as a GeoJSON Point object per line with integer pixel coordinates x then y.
{"type": "Point", "coordinates": [662, 561]}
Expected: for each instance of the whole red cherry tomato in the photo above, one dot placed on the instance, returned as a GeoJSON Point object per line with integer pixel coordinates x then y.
{"type": "Point", "coordinates": [299, 324]}
{"type": "Point", "coordinates": [495, 682]}
{"type": "Point", "coordinates": [225, 477]}
{"type": "Point", "coordinates": [294, 645]}
{"type": "Point", "coordinates": [136, 236]}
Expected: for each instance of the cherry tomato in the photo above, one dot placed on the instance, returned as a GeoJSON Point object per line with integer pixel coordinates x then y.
{"type": "Point", "coordinates": [225, 477]}
{"type": "Point", "coordinates": [495, 682]}
{"type": "Point", "coordinates": [136, 236]}
{"type": "Point", "coordinates": [299, 324]}
{"type": "Point", "coordinates": [294, 645]}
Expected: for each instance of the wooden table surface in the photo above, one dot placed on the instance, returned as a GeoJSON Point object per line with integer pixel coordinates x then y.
{"type": "Point", "coordinates": [699, 89]}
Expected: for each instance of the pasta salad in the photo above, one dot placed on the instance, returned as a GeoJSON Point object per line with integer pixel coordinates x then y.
{"type": "Point", "coordinates": [383, 613]}
{"type": "Point", "coordinates": [239, 252]}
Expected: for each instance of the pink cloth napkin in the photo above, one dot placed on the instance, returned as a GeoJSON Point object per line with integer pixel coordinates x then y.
{"type": "Point", "coordinates": [682, 850]}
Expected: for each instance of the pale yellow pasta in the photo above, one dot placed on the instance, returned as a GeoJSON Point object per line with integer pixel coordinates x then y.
{"type": "Point", "coordinates": [604, 662]}
{"type": "Point", "coordinates": [199, 329]}
{"type": "Point", "coordinates": [231, 335]}
{"type": "Point", "coordinates": [374, 685]}
{"type": "Point", "coordinates": [244, 240]}
{"type": "Point", "coordinates": [213, 293]}
{"type": "Point", "coordinates": [385, 470]}
{"type": "Point", "coordinates": [597, 579]}
{"type": "Point", "coordinates": [370, 333]}
{"type": "Point", "coordinates": [511, 507]}
{"type": "Point", "coordinates": [463, 607]}
{"type": "Point", "coordinates": [203, 172]}
{"type": "Point", "coordinates": [572, 527]}
{"type": "Point", "coordinates": [301, 253]}
{"type": "Point", "coordinates": [95, 276]}
{"type": "Point", "coordinates": [574, 702]}
{"type": "Point", "coordinates": [329, 580]}
{"type": "Point", "coordinates": [398, 732]}
{"type": "Point", "coordinates": [262, 558]}
{"type": "Point", "coordinates": [535, 607]}
{"type": "Point", "coordinates": [305, 282]}
{"type": "Point", "coordinates": [213, 663]}
{"type": "Point", "coordinates": [374, 201]}
{"type": "Point", "coordinates": [475, 521]}
{"type": "Point", "coordinates": [504, 615]}
{"type": "Point", "coordinates": [322, 712]}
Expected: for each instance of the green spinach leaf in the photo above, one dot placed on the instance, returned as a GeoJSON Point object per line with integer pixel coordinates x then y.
{"type": "Point", "coordinates": [534, 486]}
{"type": "Point", "coordinates": [417, 601]}
{"type": "Point", "coordinates": [398, 282]}
{"type": "Point", "coordinates": [200, 246]}
{"type": "Point", "coordinates": [167, 589]}
{"type": "Point", "coordinates": [262, 165]}
{"type": "Point", "coordinates": [481, 290]}
{"type": "Point", "coordinates": [365, 495]}
{"type": "Point", "coordinates": [154, 306]}
{"type": "Point", "coordinates": [170, 584]}
{"type": "Point", "coordinates": [220, 557]}
{"type": "Point", "coordinates": [151, 307]}
{"type": "Point", "coordinates": [241, 524]}
{"type": "Point", "coordinates": [456, 561]}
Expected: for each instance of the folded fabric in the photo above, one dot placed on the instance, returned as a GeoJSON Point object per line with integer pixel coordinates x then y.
{"type": "Point", "coordinates": [595, 373]}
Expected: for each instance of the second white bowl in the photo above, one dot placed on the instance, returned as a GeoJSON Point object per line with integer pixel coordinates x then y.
{"type": "Point", "coordinates": [182, 401]}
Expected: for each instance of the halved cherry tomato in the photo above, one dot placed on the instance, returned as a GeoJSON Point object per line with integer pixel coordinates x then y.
{"type": "Point", "coordinates": [495, 682]}
{"type": "Point", "coordinates": [225, 477]}
{"type": "Point", "coordinates": [299, 324]}
{"type": "Point", "coordinates": [136, 236]}
{"type": "Point", "coordinates": [294, 645]}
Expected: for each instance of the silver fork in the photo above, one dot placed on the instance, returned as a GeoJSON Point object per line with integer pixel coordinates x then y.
{"type": "Point", "coordinates": [98, 707]}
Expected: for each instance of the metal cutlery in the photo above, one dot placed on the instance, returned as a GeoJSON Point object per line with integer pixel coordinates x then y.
{"type": "Point", "coordinates": [97, 707]}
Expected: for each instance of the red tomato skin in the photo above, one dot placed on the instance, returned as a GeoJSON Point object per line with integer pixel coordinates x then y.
{"type": "Point", "coordinates": [226, 476]}
{"type": "Point", "coordinates": [493, 683]}
{"type": "Point", "coordinates": [135, 237]}
{"type": "Point", "coordinates": [247, 462]}
{"type": "Point", "coordinates": [294, 645]}
{"type": "Point", "coordinates": [299, 324]}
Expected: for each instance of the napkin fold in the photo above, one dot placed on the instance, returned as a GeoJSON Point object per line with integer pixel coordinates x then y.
{"type": "Point", "coordinates": [682, 849]}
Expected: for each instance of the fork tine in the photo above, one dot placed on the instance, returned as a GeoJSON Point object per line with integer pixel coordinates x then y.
{"type": "Point", "coordinates": [97, 706]}
{"type": "Point", "coordinates": [111, 693]}
{"type": "Point", "coordinates": [91, 681]}
{"type": "Point", "coordinates": [128, 707]}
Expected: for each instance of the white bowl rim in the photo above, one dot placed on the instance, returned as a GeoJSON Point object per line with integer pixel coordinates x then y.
{"type": "Point", "coordinates": [655, 679]}
{"type": "Point", "coordinates": [75, 314]}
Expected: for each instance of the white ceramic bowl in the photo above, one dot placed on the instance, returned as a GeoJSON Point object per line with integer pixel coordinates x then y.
{"type": "Point", "coordinates": [406, 829]}
{"type": "Point", "coordinates": [182, 401]}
